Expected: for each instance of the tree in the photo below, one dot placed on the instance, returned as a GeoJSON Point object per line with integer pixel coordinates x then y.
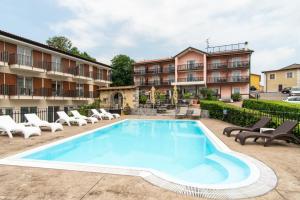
{"type": "Point", "coordinates": [65, 44]}
{"type": "Point", "coordinates": [60, 42]}
{"type": "Point", "coordinates": [122, 70]}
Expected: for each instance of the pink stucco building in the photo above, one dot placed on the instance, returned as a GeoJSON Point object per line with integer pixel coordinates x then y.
{"type": "Point", "coordinates": [225, 69]}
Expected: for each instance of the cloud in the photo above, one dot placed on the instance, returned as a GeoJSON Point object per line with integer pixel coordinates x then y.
{"type": "Point", "coordinates": [271, 27]}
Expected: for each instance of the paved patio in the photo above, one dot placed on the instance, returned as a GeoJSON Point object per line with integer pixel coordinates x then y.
{"type": "Point", "coordinates": [36, 183]}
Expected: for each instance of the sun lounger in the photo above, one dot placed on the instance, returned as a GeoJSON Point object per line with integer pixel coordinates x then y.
{"type": "Point", "coordinates": [196, 114]}
{"type": "Point", "coordinates": [283, 132]}
{"type": "Point", "coordinates": [254, 128]}
{"type": "Point", "coordinates": [34, 120]}
{"type": "Point", "coordinates": [9, 126]}
{"type": "Point", "coordinates": [114, 115]}
{"type": "Point", "coordinates": [107, 115]}
{"type": "Point", "coordinates": [64, 118]}
{"type": "Point", "coordinates": [96, 114]}
{"type": "Point", "coordinates": [76, 114]}
{"type": "Point", "coordinates": [181, 112]}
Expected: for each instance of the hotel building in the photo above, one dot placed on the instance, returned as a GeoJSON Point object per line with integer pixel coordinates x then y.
{"type": "Point", "coordinates": [35, 76]}
{"type": "Point", "coordinates": [224, 69]}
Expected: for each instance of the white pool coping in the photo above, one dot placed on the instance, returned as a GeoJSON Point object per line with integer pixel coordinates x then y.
{"type": "Point", "coordinates": [254, 185]}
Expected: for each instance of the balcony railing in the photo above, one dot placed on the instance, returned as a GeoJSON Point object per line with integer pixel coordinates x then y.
{"type": "Point", "coordinates": [238, 79]}
{"type": "Point", "coordinates": [20, 59]}
{"type": "Point", "coordinates": [214, 66]}
{"type": "Point", "coordinates": [168, 70]}
{"type": "Point", "coordinates": [13, 90]}
{"type": "Point", "coordinates": [239, 64]}
{"type": "Point", "coordinates": [83, 73]}
{"type": "Point", "coordinates": [139, 72]}
{"type": "Point", "coordinates": [226, 48]}
{"type": "Point", "coordinates": [187, 67]}
{"type": "Point", "coordinates": [229, 79]}
{"type": "Point", "coordinates": [216, 79]}
{"type": "Point", "coordinates": [4, 56]}
{"type": "Point", "coordinates": [167, 82]}
{"type": "Point", "coordinates": [190, 79]}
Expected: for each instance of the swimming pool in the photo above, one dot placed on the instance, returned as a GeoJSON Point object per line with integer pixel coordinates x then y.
{"type": "Point", "coordinates": [180, 152]}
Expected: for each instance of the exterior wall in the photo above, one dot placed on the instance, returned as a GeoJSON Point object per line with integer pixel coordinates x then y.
{"type": "Point", "coordinates": [42, 96]}
{"type": "Point", "coordinates": [130, 97]}
{"type": "Point", "coordinates": [255, 81]}
{"type": "Point", "coordinates": [272, 85]}
{"type": "Point", "coordinates": [186, 77]}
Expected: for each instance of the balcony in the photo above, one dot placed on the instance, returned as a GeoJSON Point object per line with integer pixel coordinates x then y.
{"type": "Point", "coordinates": [229, 65]}
{"type": "Point", "coordinates": [217, 66]}
{"type": "Point", "coordinates": [168, 70]}
{"type": "Point", "coordinates": [25, 63]}
{"type": "Point", "coordinates": [4, 57]}
{"type": "Point", "coordinates": [229, 79]}
{"type": "Point", "coordinates": [217, 80]}
{"type": "Point", "coordinates": [15, 92]}
{"type": "Point", "coordinates": [82, 75]}
{"type": "Point", "coordinates": [139, 72]}
{"type": "Point", "coordinates": [239, 64]}
{"type": "Point", "coordinates": [56, 69]}
{"type": "Point", "coordinates": [190, 81]}
{"type": "Point", "coordinates": [100, 79]}
{"type": "Point", "coordinates": [190, 67]}
{"type": "Point", "coordinates": [167, 82]}
{"type": "Point", "coordinates": [238, 79]}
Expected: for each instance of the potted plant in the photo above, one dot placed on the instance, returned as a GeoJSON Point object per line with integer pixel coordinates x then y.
{"type": "Point", "coordinates": [127, 109]}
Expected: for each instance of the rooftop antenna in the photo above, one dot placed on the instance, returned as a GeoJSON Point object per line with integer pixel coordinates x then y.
{"type": "Point", "coordinates": [207, 43]}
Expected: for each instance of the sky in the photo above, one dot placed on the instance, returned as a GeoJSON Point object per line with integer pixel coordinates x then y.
{"type": "Point", "coordinates": [149, 29]}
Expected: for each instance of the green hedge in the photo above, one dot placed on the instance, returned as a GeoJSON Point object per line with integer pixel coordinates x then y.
{"type": "Point", "coordinates": [236, 115]}
{"type": "Point", "coordinates": [240, 116]}
{"type": "Point", "coordinates": [277, 108]}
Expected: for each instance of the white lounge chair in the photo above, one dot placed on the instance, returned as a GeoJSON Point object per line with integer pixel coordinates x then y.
{"type": "Point", "coordinates": [76, 114]}
{"type": "Point", "coordinates": [34, 120]}
{"type": "Point", "coordinates": [103, 115]}
{"type": "Point", "coordinates": [9, 126]}
{"type": "Point", "coordinates": [64, 118]}
{"type": "Point", "coordinates": [97, 114]}
{"type": "Point", "coordinates": [108, 113]}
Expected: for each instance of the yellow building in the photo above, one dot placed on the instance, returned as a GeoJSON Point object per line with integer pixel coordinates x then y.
{"type": "Point", "coordinates": [255, 81]}
{"type": "Point", "coordinates": [276, 80]}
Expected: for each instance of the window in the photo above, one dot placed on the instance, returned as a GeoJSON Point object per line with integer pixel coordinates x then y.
{"type": "Point", "coordinates": [191, 63]}
{"type": "Point", "coordinates": [236, 90]}
{"type": "Point", "coordinates": [190, 77]}
{"type": "Point", "coordinates": [24, 85]}
{"type": "Point", "coordinates": [216, 63]}
{"type": "Point", "coordinates": [57, 88]}
{"type": "Point", "coordinates": [289, 74]}
{"type": "Point", "coordinates": [272, 76]}
{"type": "Point", "coordinates": [55, 63]}
{"type": "Point", "coordinates": [236, 62]}
{"type": "Point", "coordinates": [24, 56]}
{"type": "Point", "coordinates": [79, 90]}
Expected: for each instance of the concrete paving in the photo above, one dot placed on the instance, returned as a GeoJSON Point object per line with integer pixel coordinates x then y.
{"type": "Point", "coordinates": [36, 183]}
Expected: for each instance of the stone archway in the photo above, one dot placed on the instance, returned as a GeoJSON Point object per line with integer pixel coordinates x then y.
{"type": "Point", "coordinates": [117, 100]}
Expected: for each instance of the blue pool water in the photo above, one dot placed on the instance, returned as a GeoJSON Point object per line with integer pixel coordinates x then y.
{"type": "Point", "coordinates": [179, 149]}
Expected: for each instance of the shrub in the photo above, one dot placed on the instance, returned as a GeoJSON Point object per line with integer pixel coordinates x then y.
{"type": "Point", "coordinates": [277, 108]}
{"type": "Point", "coordinates": [236, 97]}
{"type": "Point", "coordinates": [187, 95]}
{"type": "Point", "coordinates": [84, 109]}
{"type": "Point", "coordinates": [127, 109]}
{"type": "Point", "coordinates": [208, 94]}
{"type": "Point", "coordinates": [142, 99]}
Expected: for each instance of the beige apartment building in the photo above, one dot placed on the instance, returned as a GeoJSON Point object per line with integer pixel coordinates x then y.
{"type": "Point", "coordinates": [276, 80]}
{"type": "Point", "coordinates": [224, 69]}
{"type": "Point", "coordinates": [35, 77]}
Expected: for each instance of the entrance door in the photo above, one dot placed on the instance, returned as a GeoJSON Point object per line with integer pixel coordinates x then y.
{"type": "Point", "coordinates": [280, 88]}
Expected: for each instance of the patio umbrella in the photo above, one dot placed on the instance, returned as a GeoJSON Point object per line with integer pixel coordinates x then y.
{"type": "Point", "coordinates": [175, 95]}
{"type": "Point", "coordinates": [152, 95]}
